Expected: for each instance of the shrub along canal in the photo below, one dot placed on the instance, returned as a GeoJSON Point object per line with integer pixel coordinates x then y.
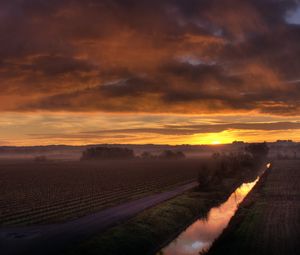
{"type": "Point", "coordinates": [199, 236]}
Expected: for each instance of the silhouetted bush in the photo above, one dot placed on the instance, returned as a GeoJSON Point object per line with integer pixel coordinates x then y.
{"type": "Point", "coordinates": [237, 164]}
{"type": "Point", "coordinates": [204, 177]}
{"type": "Point", "coordinates": [102, 153]}
{"type": "Point", "coordinates": [258, 150]}
{"type": "Point", "coordinates": [147, 155]}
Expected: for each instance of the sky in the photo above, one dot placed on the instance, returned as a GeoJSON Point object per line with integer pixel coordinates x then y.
{"type": "Point", "coordinates": [139, 71]}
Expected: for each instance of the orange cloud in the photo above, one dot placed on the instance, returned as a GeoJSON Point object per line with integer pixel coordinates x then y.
{"type": "Point", "coordinates": [190, 57]}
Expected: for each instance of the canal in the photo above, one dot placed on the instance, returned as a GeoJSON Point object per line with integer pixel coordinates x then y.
{"type": "Point", "coordinates": [199, 236]}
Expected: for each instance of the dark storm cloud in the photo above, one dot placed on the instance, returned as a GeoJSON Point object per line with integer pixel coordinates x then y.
{"type": "Point", "coordinates": [178, 56]}
{"type": "Point", "coordinates": [54, 65]}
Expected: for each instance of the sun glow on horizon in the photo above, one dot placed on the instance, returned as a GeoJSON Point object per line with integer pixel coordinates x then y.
{"type": "Point", "coordinates": [224, 137]}
{"type": "Point", "coordinates": [35, 129]}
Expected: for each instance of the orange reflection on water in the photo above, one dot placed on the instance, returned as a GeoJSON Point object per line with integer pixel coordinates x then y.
{"type": "Point", "coordinates": [200, 235]}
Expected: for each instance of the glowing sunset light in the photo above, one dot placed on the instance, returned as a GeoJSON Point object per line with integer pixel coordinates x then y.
{"type": "Point", "coordinates": [168, 72]}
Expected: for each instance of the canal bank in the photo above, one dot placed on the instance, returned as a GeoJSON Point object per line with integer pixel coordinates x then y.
{"type": "Point", "coordinates": [199, 236]}
{"type": "Point", "coordinates": [267, 222]}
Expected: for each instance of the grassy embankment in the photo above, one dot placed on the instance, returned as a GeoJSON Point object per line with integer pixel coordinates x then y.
{"type": "Point", "coordinates": [268, 221]}
{"type": "Point", "coordinates": [151, 229]}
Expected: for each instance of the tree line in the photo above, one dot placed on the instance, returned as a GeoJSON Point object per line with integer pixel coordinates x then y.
{"type": "Point", "coordinates": [106, 153]}
{"type": "Point", "coordinates": [233, 164]}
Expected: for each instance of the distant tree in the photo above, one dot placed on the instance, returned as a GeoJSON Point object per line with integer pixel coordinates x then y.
{"type": "Point", "coordinates": [246, 160]}
{"type": "Point", "coordinates": [238, 142]}
{"type": "Point", "coordinates": [168, 154]}
{"type": "Point", "coordinates": [226, 167]}
{"type": "Point", "coordinates": [258, 150]}
{"type": "Point", "coordinates": [203, 177]}
{"type": "Point", "coordinates": [102, 153]}
{"type": "Point", "coordinates": [216, 155]}
{"type": "Point", "coordinates": [147, 155]}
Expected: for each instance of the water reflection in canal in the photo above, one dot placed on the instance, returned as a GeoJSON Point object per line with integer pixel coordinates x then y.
{"type": "Point", "coordinates": [200, 235]}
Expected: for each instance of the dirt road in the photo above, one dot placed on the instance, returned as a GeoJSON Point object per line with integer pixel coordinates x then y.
{"type": "Point", "coordinates": [52, 239]}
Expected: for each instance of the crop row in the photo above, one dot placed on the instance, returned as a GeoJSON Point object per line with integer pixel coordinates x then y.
{"type": "Point", "coordinates": [78, 207]}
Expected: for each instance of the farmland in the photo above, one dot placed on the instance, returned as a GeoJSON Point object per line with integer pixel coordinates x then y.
{"type": "Point", "coordinates": [152, 229]}
{"type": "Point", "coordinates": [48, 192]}
{"type": "Point", "coordinates": [267, 222]}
